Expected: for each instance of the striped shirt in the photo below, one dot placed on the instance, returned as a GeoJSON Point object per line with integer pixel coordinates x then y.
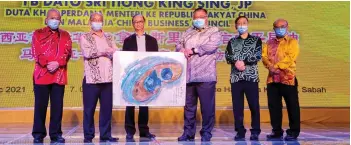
{"type": "Point", "coordinates": [201, 67]}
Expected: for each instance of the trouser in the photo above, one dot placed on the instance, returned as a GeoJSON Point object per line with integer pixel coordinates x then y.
{"type": "Point", "coordinates": [143, 120]}
{"type": "Point", "coordinates": [42, 94]}
{"type": "Point", "coordinates": [205, 91]}
{"type": "Point", "coordinates": [275, 92]}
{"type": "Point", "coordinates": [91, 94]}
{"type": "Point", "coordinates": [250, 89]}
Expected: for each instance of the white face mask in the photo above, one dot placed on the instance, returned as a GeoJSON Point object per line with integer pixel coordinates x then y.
{"type": "Point", "coordinates": [53, 24]}
{"type": "Point", "coordinates": [96, 26]}
{"type": "Point", "coordinates": [242, 29]}
{"type": "Point", "coordinates": [199, 23]}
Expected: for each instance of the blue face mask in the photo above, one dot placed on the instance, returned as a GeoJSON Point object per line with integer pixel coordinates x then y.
{"type": "Point", "coordinates": [96, 26]}
{"type": "Point", "coordinates": [280, 32]}
{"type": "Point", "coordinates": [242, 29]}
{"type": "Point", "coordinates": [53, 24]}
{"type": "Point", "coordinates": [199, 23]}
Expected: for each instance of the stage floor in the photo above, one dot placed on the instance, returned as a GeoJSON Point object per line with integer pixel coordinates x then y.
{"type": "Point", "coordinates": [316, 134]}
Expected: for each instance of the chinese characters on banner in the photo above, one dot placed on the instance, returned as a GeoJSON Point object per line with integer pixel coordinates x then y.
{"type": "Point", "coordinates": [163, 38]}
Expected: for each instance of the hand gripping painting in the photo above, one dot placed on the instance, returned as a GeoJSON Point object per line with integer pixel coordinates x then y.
{"type": "Point", "coordinates": [149, 78]}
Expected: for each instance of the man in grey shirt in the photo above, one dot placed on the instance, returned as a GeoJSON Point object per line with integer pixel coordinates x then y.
{"type": "Point", "coordinates": [141, 42]}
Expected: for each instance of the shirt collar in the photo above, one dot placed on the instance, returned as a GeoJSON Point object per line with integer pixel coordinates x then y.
{"type": "Point", "coordinates": [48, 29]}
{"type": "Point", "coordinates": [284, 38]}
{"type": "Point", "coordinates": [205, 27]}
{"type": "Point", "coordinates": [248, 36]}
{"type": "Point", "coordinates": [137, 34]}
{"type": "Point", "coordinates": [94, 33]}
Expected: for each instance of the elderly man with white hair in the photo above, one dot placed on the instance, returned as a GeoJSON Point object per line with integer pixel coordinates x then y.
{"type": "Point", "coordinates": [97, 48]}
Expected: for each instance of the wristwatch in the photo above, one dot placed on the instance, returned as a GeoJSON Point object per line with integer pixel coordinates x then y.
{"type": "Point", "coordinates": [193, 49]}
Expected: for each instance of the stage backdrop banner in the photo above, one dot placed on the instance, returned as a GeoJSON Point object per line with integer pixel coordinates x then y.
{"type": "Point", "coordinates": [149, 78]}
{"type": "Point", "coordinates": [322, 29]}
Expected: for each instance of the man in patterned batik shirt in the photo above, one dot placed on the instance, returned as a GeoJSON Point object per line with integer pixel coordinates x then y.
{"type": "Point", "coordinates": [199, 45]}
{"type": "Point", "coordinates": [243, 53]}
{"type": "Point", "coordinates": [279, 57]}
{"type": "Point", "coordinates": [97, 48]}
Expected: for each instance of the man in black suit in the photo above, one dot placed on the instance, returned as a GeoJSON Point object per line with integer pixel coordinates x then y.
{"type": "Point", "coordinates": [142, 42]}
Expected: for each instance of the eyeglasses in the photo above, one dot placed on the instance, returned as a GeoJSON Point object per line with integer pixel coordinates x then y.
{"type": "Point", "coordinates": [56, 18]}
{"type": "Point", "coordinates": [138, 22]}
{"type": "Point", "coordinates": [96, 20]}
{"type": "Point", "coordinates": [241, 24]}
{"type": "Point", "coordinates": [201, 17]}
{"type": "Point", "coordinates": [282, 26]}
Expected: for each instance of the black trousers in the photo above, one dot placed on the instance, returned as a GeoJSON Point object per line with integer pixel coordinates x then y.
{"type": "Point", "coordinates": [275, 92]}
{"type": "Point", "coordinates": [143, 119]}
{"type": "Point", "coordinates": [91, 94]}
{"type": "Point", "coordinates": [250, 89]}
{"type": "Point", "coordinates": [205, 92]}
{"type": "Point", "coordinates": [42, 94]}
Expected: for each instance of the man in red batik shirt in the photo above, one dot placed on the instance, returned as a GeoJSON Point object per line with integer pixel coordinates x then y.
{"type": "Point", "coordinates": [51, 49]}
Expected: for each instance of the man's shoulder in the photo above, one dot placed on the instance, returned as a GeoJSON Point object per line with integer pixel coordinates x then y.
{"type": "Point", "coordinates": [234, 39]}
{"type": "Point", "coordinates": [255, 37]}
{"type": "Point", "coordinates": [271, 41]}
{"type": "Point", "coordinates": [85, 35]}
{"type": "Point", "coordinates": [291, 39]}
{"type": "Point", "coordinates": [40, 31]}
{"type": "Point", "coordinates": [64, 32]}
{"type": "Point", "coordinates": [109, 36]}
{"type": "Point", "coordinates": [190, 29]}
{"type": "Point", "coordinates": [129, 37]}
{"type": "Point", "coordinates": [150, 37]}
{"type": "Point", "coordinates": [213, 29]}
